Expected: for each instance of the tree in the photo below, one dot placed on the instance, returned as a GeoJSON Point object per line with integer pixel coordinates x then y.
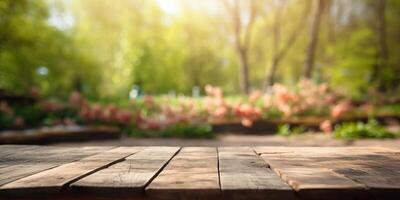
{"type": "Point", "coordinates": [279, 53]}
{"type": "Point", "coordinates": [242, 36]}
{"type": "Point", "coordinates": [382, 53]}
{"type": "Point", "coordinates": [313, 37]}
{"type": "Point", "coordinates": [29, 42]}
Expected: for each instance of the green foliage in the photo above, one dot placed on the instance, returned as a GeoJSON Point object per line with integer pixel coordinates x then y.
{"type": "Point", "coordinates": [109, 47]}
{"type": "Point", "coordinates": [286, 130]}
{"type": "Point", "coordinates": [354, 59]}
{"type": "Point", "coordinates": [355, 130]}
{"type": "Point", "coordinates": [5, 120]}
{"type": "Point", "coordinates": [272, 113]}
{"type": "Point", "coordinates": [32, 115]}
{"type": "Point", "coordinates": [28, 41]}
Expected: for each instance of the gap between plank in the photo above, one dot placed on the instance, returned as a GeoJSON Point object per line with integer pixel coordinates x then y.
{"type": "Point", "coordinates": [67, 184]}
{"type": "Point", "coordinates": [348, 177]}
{"type": "Point", "coordinates": [219, 171]}
{"type": "Point", "coordinates": [296, 194]}
{"type": "Point", "coordinates": [161, 169]}
{"type": "Point", "coordinates": [268, 166]}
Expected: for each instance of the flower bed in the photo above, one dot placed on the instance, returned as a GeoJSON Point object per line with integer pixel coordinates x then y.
{"type": "Point", "coordinates": [314, 106]}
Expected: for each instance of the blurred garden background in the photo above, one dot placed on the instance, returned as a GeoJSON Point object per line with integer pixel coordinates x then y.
{"type": "Point", "coordinates": [193, 69]}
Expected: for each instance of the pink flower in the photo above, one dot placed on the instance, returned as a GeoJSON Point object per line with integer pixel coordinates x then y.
{"type": "Point", "coordinates": [326, 126]}
{"type": "Point", "coordinates": [341, 109]}
{"type": "Point", "coordinates": [34, 91]}
{"type": "Point", "coordinates": [245, 110]}
{"type": "Point", "coordinates": [76, 100]}
{"type": "Point", "coordinates": [218, 101]}
{"type": "Point", "coordinates": [148, 101]}
{"type": "Point", "coordinates": [150, 124]}
{"type": "Point", "coordinates": [220, 112]}
{"type": "Point", "coordinates": [85, 113]}
{"type": "Point", "coordinates": [247, 113]}
{"type": "Point", "coordinates": [213, 91]}
{"type": "Point", "coordinates": [4, 108]}
{"type": "Point", "coordinates": [68, 121]}
{"type": "Point", "coordinates": [109, 113]}
{"type": "Point", "coordinates": [268, 101]}
{"type": "Point", "coordinates": [287, 111]}
{"type": "Point", "coordinates": [95, 112]}
{"type": "Point", "coordinates": [254, 96]}
{"type": "Point", "coordinates": [208, 89]}
{"type": "Point", "coordinates": [123, 117]}
{"type": "Point", "coordinates": [19, 122]}
{"type": "Point", "coordinates": [247, 122]}
{"type": "Point", "coordinates": [323, 88]}
{"type": "Point", "coordinates": [48, 106]}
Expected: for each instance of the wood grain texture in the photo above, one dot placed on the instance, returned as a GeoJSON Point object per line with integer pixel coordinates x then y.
{"type": "Point", "coordinates": [28, 160]}
{"type": "Point", "coordinates": [54, 179]}
{"type": "Point", "coordinates": [376, 168]}
{"type": "Point", "coordinates": [244, 175]}
{"type": "Point", "coordinates": [47, 172]}
{"type": "Point", "coordinates": [127, 178]}
{"type": "Point", "coordinates": [306, 175]}
{"type": "Point", "coordinates": [191, 174]}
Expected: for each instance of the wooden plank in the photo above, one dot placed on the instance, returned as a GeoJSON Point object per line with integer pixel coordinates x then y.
{"type": "Point", "coordinates": [28, 161]}
{"type": "Point", "coordinates": [54, 179]}
{"type": "Point", "coordinates": [127, 178]}
{"type": "Point", "coordinates": [318, 150]}
{"type": "Point", "coordinates": [377, 160]}
{"type": "Point", "coordinates": [35, 154]}
{"type": "Point", "coordinates": [14, 172]}
{"type": "Point", "coordinates": [8, 150]}
{"type": "Point", "coordinates": [378, 169]}
{"type": "Point", "coordinates": [308, 177]}
{"type": "Point", "coordinates": [13, 147]}
{"type": "Point", "coordinates": [244, 175]}
{"type": "Point", "coordinates": [191, 174]}
{"type": "Point", "coordinates": [314, 172]}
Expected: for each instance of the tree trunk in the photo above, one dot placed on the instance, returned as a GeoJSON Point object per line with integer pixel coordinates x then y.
{"type": "Point", "coordinates": [271, 74]}
{"type": "Point", "coordinates": [314, 33]}
{"type": "Point", "coordinates": [244, 71]}
{"type": "Point", "coordinates": [242, 45]}
{"type": "Point", "coordinates": [279, 53]}
{"type": "Point", "coordinates": [382, 45]}
{"type": "Point", "coordinates": [270, 78]}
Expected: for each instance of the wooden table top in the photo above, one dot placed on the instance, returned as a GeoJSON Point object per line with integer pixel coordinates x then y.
{"type": "Point", "coordinates": [48, 172]}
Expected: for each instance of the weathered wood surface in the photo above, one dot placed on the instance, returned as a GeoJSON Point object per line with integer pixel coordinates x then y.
{"type": "Point", "coordinates": [21, 161]}
{"type": "Point", "coordinates": [54, 179]}
{"type": "Point", "coordinates": [47, 172]}
{"type": "Point", "coordinates": [127, 178]}
{"type": "Point", "coordinates": [192, 174]}
{"type": "Point", "coordinates": [345, 171]}
{"type": "Point", "coordinates": [244, 175]}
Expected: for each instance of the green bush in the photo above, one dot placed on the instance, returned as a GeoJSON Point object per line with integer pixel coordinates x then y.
{"type": "Point", "coordinates": [32, 114]}
{"type": "Point", "coordinates": [354, 130]}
